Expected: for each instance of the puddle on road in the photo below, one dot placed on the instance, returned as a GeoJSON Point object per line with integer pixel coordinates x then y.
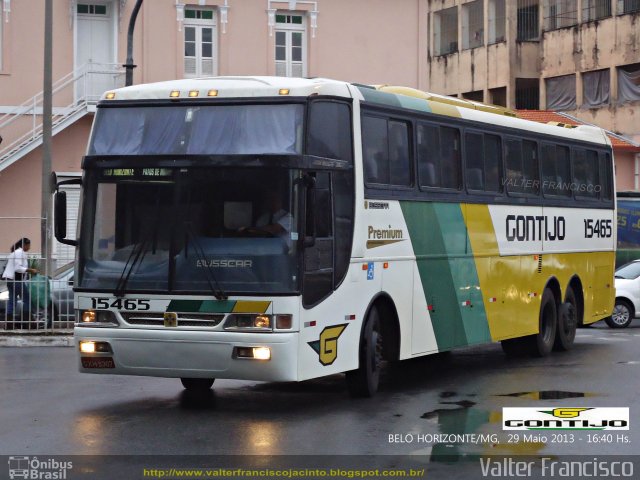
{"type": "Point", "coordinates": [548, 395]}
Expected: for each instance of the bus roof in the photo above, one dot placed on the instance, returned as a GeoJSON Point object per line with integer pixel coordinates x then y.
{"type": "Point", "coordinates": [399, 97]}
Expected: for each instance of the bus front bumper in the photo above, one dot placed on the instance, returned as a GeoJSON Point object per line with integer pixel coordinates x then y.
{"type": "Point", "coordinates": [188, 353]}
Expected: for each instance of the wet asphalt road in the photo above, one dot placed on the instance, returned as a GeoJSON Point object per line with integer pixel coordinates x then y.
{"type": "Point", "coordinates": [47, 407]}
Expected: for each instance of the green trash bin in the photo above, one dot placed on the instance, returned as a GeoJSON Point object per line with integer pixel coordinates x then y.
{"type": "Point", "coordinates": [40, 293]}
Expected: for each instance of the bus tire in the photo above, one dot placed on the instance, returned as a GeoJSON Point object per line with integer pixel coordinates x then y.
{"type": "Point", "coordinates": [542, 343]}
{"type": "Point", "coordinates": [567, 322]}
{"type": "Point", "coordinates": [197, 384]}
{"type": "Point", "coordinates": [622, 314]}
{"type": "Point", "coordinates": [364, 381]}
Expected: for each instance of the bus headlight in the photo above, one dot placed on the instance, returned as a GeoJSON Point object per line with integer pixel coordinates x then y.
{"type": "Point", "coordinates": [249, 322]}
{"type": "Point", "coordinates": [96, 318]}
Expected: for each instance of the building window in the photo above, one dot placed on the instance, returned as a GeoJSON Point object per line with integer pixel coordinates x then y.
{"type": "Point", "coordinates": [528, 20]}
{"type": "Point", "coordinates": [89, 9]}
{"type": "Point", "coordinates": [291, 46]}
{"type": "Point", "coordinates": [445, 31]}
{"type": "Point", "coordinates": [595, 10]}
{"type": "Point", "coordinates": [498, 96]}
{"type": "Point", "coordinates": [560, 14]}
{"type": "Point", "coordinates": [476, 96]}
{"type": "Point", "coordinates": [527, 94]}
{"type": "Point", "coordinates": [596, 88]}
{"type": "Point", "coordinates": [629, 83]}
{"type": "Point", "coordinates": [497, 21]}
{"type": "Point", "coordinates": [200, 35]}
{"type": "Point", "coordinates": [561, 93]}
{"type": "Point", "coordinates": [628, 6]}
{"type": "Point", "coordinates": [472, 25]}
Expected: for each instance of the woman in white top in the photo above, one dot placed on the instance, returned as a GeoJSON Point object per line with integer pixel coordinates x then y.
{"type": "Point", "coordinates": [15, 274]}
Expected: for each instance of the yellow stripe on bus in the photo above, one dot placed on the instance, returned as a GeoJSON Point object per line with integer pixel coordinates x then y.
{"type": "Point", "coordinates": [251, 306]}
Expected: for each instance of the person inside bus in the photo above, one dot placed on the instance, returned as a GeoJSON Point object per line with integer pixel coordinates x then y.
{"type": "Point", "coordinates": [275, 220]}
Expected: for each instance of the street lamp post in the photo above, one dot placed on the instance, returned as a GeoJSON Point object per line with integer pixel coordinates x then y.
{"type": "Point", "coordinates": [129, 66]}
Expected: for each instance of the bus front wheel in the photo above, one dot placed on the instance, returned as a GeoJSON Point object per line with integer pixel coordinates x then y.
{"type": "Point", "coordinates": [364, 381]}
{"type": "Point", "coordinates": [542, 343]}
{"type": "Point", "coordinates": [197, 384]}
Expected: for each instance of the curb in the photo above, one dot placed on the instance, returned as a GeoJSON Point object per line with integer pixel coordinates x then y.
{"type": "Point", "coordinates": [36, 341]}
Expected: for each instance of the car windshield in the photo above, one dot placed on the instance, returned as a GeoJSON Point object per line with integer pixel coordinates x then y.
{"type": "Point", "coordinates": [629, 271]}
{"type": "Point", "coordinates": [191, 230]}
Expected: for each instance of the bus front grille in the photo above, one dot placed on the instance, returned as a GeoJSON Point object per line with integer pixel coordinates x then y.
{"type": "Point", "coordinates": [186, 319]}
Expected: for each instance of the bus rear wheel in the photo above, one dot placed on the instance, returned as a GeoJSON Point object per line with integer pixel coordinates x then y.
{"type": "Point", "coordinates": [567, 322]}
{"type": "Point", "coordinates": [364, 381]}
{"type": "Point", "coordinates": [197, 384]}
{"type": "Point", "coordinates": [541, 344]}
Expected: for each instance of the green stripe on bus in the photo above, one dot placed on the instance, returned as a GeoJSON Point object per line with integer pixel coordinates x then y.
{"type": "Point", "coordinates": [447, 272]}
{"type": "Point", "coordinates": [382, 98]}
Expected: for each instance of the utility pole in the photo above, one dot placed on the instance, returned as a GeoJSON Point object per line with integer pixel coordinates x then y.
{"type": "Point", "coordinates": [47, 112]}
{"type": "Point", "coordinates": [129, 66]}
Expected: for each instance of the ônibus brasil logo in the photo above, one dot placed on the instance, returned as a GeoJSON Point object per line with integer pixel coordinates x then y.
{"type": "Point", "coordinates": [565, 418]}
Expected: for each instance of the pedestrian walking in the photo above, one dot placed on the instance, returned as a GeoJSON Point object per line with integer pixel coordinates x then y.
{"type": "Point", "coordinates": [15, 274]}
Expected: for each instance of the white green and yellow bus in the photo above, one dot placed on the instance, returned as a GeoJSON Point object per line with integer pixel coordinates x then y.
{"type": "Point", "coordinates": [280, 229]}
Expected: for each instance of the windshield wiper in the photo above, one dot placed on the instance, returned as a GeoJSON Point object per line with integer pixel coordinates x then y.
{"type": "Point", "coordinates": [211, 278]}
{"type": "Point", "coordinates": [139, 251]}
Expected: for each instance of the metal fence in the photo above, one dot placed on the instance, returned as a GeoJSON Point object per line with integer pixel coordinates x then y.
{"type": "Point", "coordinates": [38, 303]}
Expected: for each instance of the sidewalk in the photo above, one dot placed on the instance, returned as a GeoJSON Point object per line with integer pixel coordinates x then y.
{"type": "Point", "coordinates": [35, 339]}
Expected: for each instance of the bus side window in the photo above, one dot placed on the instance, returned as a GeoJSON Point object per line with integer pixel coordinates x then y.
{"type": "Point", "coordinates": [514, 166]}
{"type": "Point", "coordinates": [428, 155]}
{"type": "Point", "coordinates": [585, 172]}
{"type": "Point", "coordinates": [450, 157]}
{"type": "Point", "coordinates": [330, 130]}
{"type": "Point", "coordinates": [474, 161]}
{"type": "Point", "coordinates": [374, 149]}
{"type": "Point", "coordinates": [605, 176]}
{"type": "Point", "coordinates": [399, 156]}
{"type": "Point", "coordinates": [492, 163]}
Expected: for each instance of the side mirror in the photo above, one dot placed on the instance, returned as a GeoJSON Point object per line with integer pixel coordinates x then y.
{"type": "Point", "coordinates": [60, 212]}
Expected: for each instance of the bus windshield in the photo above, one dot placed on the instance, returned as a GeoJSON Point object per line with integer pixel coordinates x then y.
{"type": "Point", "coordinates": [191, 230]}
{"type": "Point", "coordinates": [198, 130]}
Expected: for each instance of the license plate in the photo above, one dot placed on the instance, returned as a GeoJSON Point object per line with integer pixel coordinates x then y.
{"type": "Point", "coordinates": [97, 362]}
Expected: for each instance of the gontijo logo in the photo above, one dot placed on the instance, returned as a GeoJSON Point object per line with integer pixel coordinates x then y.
{"type": "Point", "coordinates": [565, 418]}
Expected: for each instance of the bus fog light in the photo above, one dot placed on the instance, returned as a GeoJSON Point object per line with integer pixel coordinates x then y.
{"type": "Point", "coordinates": [284, 322]}
{"type": "Point", "coordinates": [95, 347]}
{"type": "Point", "coordinates": [252, 353]}
{"type": "Point", "coordinates": [262, 353]}
{"type": "Point", "coordinates": [88, 347]}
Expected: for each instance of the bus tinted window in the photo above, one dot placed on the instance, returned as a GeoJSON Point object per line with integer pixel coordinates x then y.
{"type": "Point", "coordinates": [439, 157]}
{"type": "Point", "coordinates": [399, 158]}
{"type": "Point", "coordinates": [329, 130]}
{"type": "Point", "coordinates": [522, 167]}
{"type": "Point", "coordinates": [475, 164]}
{"type": "Point", "coordinates": [492, 163]}
{"type": "Point", "coordinates": [483, 162]}
{"type": "Point", "coordinates": [385, 150]}
{"type": "Point", "coordinates": [428, 156]}
{"type": "Point", "coordinates": [585, 173]}
{"type": "Point", "coordinates": [556, 172]}
{"type": "Point", "coordinates": [451, 157]}
{"type": "Point", "coordinates": [605, 176]}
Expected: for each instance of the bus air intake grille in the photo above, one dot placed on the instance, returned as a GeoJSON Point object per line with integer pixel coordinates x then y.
{"type": "Point", "coordinates": [184, 319]}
